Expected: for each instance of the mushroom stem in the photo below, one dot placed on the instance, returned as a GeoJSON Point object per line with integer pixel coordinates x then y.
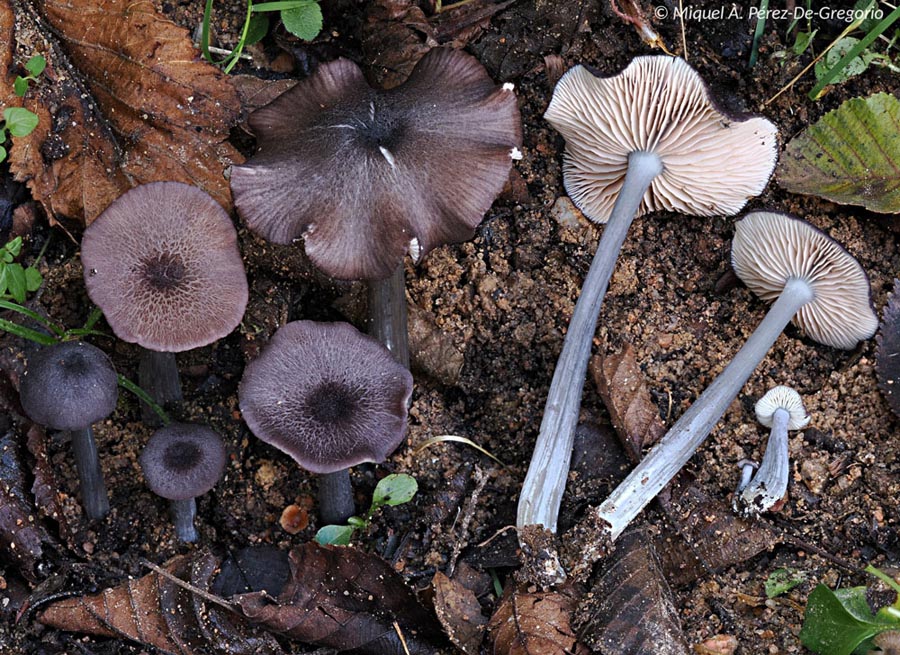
{"type": "Point", "coordinates": [546, 479]}
{"type": "Point", "coordinates": [673, 451]}
{"type": "Point", "coordinates": [388, 314]}
{"type": "Point", "coordinates": [158, 376]}
{"type": "Point", "coordinates": [90, 476]}
{"type": "Point", "coordinates": [183, 513]}
{"type": "Point", "coordinates": [336, 497]}
{"type": "Point", "coordinates": [771, 480]}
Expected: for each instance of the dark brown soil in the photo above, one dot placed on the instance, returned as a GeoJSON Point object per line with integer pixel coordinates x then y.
{"type": "Point", "coordinates": [500, 305]}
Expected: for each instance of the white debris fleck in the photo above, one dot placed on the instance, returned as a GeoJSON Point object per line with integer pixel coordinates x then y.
{"type": "Point", "coordinates": [388, 156]}
{"type": "Point", "coordinates": [508, 86]}
{"type": "Point", "coordinates": [516, 154]}
{"type": "Point", "coordinates": [415, 250]}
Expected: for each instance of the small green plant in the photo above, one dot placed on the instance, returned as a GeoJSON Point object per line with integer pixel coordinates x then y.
{"type": "Point", "coordinates": [781, 581]}
{"type": "Point", "coordinates": [394, 489]}
{"type": "Point", "coordinates": [302, 18]}
{"type": "Point", "coordinates": [15, 279]}
{"type": "Point", "coordinates": [840, 622]}
{"type": "Point", "coordinates": [17, 121]}
{"type": "Point", "coordinates": [35, 66]}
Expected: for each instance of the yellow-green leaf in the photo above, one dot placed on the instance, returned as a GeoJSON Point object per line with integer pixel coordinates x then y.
{"type": "Point", "coordinates": [851, 156]}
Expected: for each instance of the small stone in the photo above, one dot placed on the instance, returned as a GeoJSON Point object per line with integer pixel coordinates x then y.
{"type": "Point", "coordinates": [814, 474]}
{"type": "Point", "coordinates": [717, 645]}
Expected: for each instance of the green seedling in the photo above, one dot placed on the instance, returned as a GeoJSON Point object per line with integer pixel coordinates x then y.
{"type": "Point", "coordinates": [395, 489]}
{"type": "Point", "coordinates": [781, 581]}
{"type": "Point", "coordinates": [252, 31]}
{"type": "Point", "coordinates": [302, 18]}
{"type": "Point", "coordinates": [841, 622]}
{"type": "Point", "coordinates": [17, 121]}
{"type": "Point", "coordinates": [16, 280]}
{"type": "Point", "coordinates": [35, 66]}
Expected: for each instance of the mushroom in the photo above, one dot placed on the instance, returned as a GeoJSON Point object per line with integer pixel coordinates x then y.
{"type": "Point", "coordinates": [70, 386]}
{"type": "Point", "coordinates": [180, 462]}
{"type": "Point", "coordinates": [814, 282]}
{"type": "Point", "coordinates": [363, 175]}
{"type": "Point", "coordinates": [780, 409]}
{"type": "Point", "coordinates": [331, 398]}
{"type": "Point", "coordinates": [162, 262]}
{"type": "Point", "coordinates": [647, 139]}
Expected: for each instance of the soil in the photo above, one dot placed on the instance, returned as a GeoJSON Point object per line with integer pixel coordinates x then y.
{"type": "Point", "coordinates": [490, 317]}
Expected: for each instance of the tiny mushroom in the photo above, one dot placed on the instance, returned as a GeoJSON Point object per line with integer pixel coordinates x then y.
{"type": "Point", "coordinates": [180, 462]}
{"type": "Point", "coordinates": [780, 409]}
{"type": "Point", "coordinates": [162, 262]}
{"type": "Point", "coordinates": [647, 139]}
{"type": "Point", "coordinates": [814, 282]}
{"type": "Point", "coordinates": [70, 386]}
{"type": "Point", "coordinates": [365, 175]}
{"type": "Point", "coordinates": [331, 398]}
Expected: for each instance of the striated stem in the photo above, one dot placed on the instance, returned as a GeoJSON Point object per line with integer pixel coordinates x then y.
{"type": "Point", "coordinates": [90, 475]}
{"type": "Point", "coordinates": [183, 513]}
{"type": "Point", "coordinates": [546, 479]}
{"type": "Point", "coordinates": [771, 480]}
{"type": "Point", "coordinates": [336, 498]}
{"type": "Point", "coordinates": [673, 451]}
{"type": "Point", "coordinates": [158, 376]}
{"type": "Point", "coordinates": [388, 314]}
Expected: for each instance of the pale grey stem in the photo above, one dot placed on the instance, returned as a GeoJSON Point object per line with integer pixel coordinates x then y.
{"type": "Point", "coordinates": [158, 376]}
{"type": "Point", "coordinates": [771, 480]}
{"type": "Point", "coordinates": [388, 314]}
{"type": "Point", "coordinates": [336, 498]}
{"type": "Point", "coordinates": [549, 468]}
{"type": "Point", "coordinates": [90, 476]}
{"type": "Point", "coordinates": [673, 451]}
{"type": "Point", "coordinates": [183, 513]}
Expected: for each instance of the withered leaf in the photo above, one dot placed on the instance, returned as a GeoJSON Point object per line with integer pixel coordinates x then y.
{"type": "Point", "coordinates": [344, 599]}
{"type": "Point", "coordinates": [21, 536]}
{"type": "Point", "coordinates": [887, 359]}
{"type": "Point", "coordinates": [125, 99]}
{"type": "Point", "coordinates": [630, 610]}
{"type": "Point", "coordinates": [634, 416]}
{"type": "Point", "coordinates": [155, 611]}
{"type": "Point", "coordinates": [459, 612]}
{"type": "Point", "coordinates": [45, 488]}
{"type": "Point", "coordinates": [535, 623]}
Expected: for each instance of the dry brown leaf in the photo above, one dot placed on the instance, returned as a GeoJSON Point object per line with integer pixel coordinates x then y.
{"type": "Point", "coordinates": [535, 623]}
{"type": "Point", "coordinates": [125, 99]}
{"type": "Point", "coordinates": [634, 416]}
{"type": "Point", "coordinates": [155, 611]}
{"type": "Point", "coordinates": [344, 599]}
{"type": "Point", "coordinates": [459, 612]}
{"type": "Point", "coordinates": [630, 609]}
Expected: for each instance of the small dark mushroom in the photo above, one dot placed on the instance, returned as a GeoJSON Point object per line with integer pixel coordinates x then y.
{"type": "Point", "coordinates": [69, 387]}
{"type": "Point", "coordinates": [363, 175]}
{"type": "Point", "coordinates": [180, 462]}
{"type": "Point", "coordinates": [331, 398]}
{"type": "Point", "coordinates": [162, 262]}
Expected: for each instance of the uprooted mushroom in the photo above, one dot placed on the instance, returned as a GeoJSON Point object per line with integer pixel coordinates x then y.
{"type": "Point", "coordinates": [363, 175]}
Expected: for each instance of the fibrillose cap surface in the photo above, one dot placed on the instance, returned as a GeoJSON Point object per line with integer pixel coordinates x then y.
{"type": "Point", "coordinates": [163, 264]}
{"type": "Point", "coordinates": [69, 386]}
{"type": "Point", "coordinates": [785, 398]}
{"type": "Point", "coordinates": [327, 395]}
{"type": "Point", "coordinates": [183, 460]}
{"type": "Point", "coordinates": [360, 173]}
{"type": "Point", "coordinates": [712, 164]}
{"type": "Point", "coordinates": [769, 248]}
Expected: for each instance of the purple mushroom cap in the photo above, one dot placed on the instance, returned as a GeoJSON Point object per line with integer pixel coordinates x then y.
{"type": "Point", "coordinates": [183, 460]}
{"type": "Point", "coordinates": [69, 386]}
{"type": "Point", "coordinates": [327, 395]}
{"type": "Point", "coordinates": [163, 264]}
{"type": "Point", "coordinates": [360, 173]}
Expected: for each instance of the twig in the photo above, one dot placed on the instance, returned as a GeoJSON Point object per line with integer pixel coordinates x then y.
{"type": "Point", "coordinates": [205, 595]}
{"type": "Point", "coordinates": [468, 511]}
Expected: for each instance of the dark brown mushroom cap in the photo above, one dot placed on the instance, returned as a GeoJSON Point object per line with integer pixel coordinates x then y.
{"type": "Point", "coordinates": [183, 460]}
{"type": "Point", "coordinates": [69, 386]}
{"type": "Point", "coordinates": [327, 395]}
{"type": "Point", "coordinates": [359, 173]}
{"type": "Point", "coordinates": [711, 163]}
{"type": "Point", "coordinates": [162, 262]}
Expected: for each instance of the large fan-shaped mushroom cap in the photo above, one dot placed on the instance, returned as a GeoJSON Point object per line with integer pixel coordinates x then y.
{"type": "Point", "coordinates": [769, 248]}
{"type": "Point", "coordinates": [69, 386]}
{"type": "Point", "coordinates": [327, 395]}
{"type": "Point", "coordinates": [359, 173]}
{"type": "Point", "coordinates": [711, 163]}
{"type": "Point", "coordinates": [162, 262]}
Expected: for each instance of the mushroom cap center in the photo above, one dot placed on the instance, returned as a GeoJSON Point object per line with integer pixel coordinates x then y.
{"type": "Point", "coordinates": [333, 404]}
{"type": "Point", "coordinates": [383, 128]}
{"type": "Point", "coordinates": [164, 271]}
{"type": "Point", "coordinates": [182, 456]}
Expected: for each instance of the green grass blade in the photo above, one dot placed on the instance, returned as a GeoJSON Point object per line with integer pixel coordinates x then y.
{"type": "Point", "coordinates": [757, 34]}
{"type": "Point", "coordinates": [16, 307]}
{"type": "Point", "coordinates": [282, 4]}
{"type": "Point", "coordinates": [864, 43]}
{"type": "Point", "coordinates": [27, 333]}
{"type": "Point", "coordinates": [125, 383]}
